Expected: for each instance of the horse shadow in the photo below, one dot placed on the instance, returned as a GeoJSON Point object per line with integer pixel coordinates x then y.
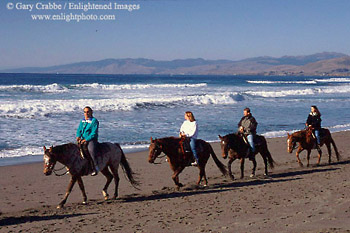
{"type": "Point", "coordinates": [199, 190]}
{"type": "Point", "coordinates": [8, 221]}
{"type": "Point", "coordinates": [225, 187]}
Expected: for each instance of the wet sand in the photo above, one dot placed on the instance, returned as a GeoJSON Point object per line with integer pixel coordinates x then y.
{"type": "Point", "coordinates": [292, 199]}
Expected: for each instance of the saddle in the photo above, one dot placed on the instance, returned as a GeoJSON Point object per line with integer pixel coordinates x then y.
{"type": "Point", "coordinates": [257, 139]}
{"type": "Point", "coordinates": [186, 149]}
{"type": "Point", "coordinates": [185, 145]}
{"type": "Point", "coordinates": [100, 150]}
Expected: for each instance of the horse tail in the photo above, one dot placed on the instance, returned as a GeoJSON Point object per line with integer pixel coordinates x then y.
{"type": "Point", "coordinates": [127, 169]}
{"type": "Point", "coordinates": [220, 165]}
{"type": "Point", "coordinates": [335, 149]}
{"type": "Point", "coordinates": [272, 163]}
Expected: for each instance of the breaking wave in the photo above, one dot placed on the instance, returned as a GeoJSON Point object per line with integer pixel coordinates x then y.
{"type": "Point", "coordinates": [45, 108]}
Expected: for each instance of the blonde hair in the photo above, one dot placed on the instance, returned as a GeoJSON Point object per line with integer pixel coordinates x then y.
{"type": "Point", "coordinates": [190, 116]}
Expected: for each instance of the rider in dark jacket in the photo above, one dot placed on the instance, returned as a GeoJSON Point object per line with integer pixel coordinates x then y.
{"type": "Point", "coordinates": [314, 121]}
{"type": "Point", "coordinates": [247, 126]}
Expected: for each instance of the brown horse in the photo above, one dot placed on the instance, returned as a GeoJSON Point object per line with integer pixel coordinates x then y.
{"type": "Point", "coordinates": [110, 156]}
{"type": "Point", "coordinates": [307, 142]}
{"type": "Point", "coordinates": [236, 147]}
{"type": "Point", "coordinates": [170, 146]}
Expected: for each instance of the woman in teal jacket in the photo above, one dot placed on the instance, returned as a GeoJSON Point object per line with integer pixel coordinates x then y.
{"type": "Point", "coordinates": [88, 133]}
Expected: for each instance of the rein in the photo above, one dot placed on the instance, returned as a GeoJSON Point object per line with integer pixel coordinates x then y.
{"type": "Point", "coordinates": [159, 157]}
{"type": "Point", "coordinates": [56, 170]}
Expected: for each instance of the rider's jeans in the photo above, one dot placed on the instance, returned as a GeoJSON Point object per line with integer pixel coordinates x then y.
{"type": "Point", "coordinates": [92, 146]}
{"type": "Point", "coordinates": [193, 148]}
{"type": "Point", "coordinates": [250, 139]}
{"type": "Point", "coordinates": [317, 135]}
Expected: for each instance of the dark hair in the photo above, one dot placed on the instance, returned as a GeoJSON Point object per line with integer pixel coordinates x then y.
{"type": "Point", "coordinates": [247, 110]}
{"type": "Point", "coordinates": [317, 111]}
{"type": "Point", "coordinates": [88, 108]}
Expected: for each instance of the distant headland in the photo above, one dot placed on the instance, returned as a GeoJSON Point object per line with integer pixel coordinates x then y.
{"type": "Point", "coordinates": [319, 64]}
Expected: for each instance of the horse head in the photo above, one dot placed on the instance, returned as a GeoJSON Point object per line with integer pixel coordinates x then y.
{"type": "Point", "coordinates": [49, 161]}
{"type": "Point", "coordinates": [155, 149]}
{"type": "Point", "coordinates": [224, 143]}
{"type": "Point", "coordinates": [291, 143]}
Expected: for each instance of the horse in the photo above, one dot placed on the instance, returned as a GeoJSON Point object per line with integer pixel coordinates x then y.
{"type": "Point", "coordinates": [109, 155]}
{"type": "Point", "coordinates": [307, 142]}
{"type": "Point", "coordinates": [234, 146]}
{"type": "Point", "coordinates": [178, 160]}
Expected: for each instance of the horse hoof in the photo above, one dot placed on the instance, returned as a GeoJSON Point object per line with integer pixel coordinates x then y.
{"type": "Point", "coordinates": [252, 175]}
{"type": "Point", "coordinates": [59, 206]}
{"type": "Point", "coordinates": [301, 165]}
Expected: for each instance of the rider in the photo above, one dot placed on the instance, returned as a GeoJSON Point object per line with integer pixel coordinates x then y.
{"type": "Point", "coordinates": [189, 128]}
{"type": "Point", "coordinates": [247, 126]}
{"type": "Point", "coordinates": [314, 122]}
{"type": "Point", "coordinates": [87, 133]}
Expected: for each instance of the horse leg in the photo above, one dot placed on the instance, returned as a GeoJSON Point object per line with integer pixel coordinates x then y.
{"type": "Point", "coordinates": [319, 157]}
{"type": "Point", "coordinates": [265, 162]}
{"type": "Point", "coordinates": [69, 190]}
{"type": "Point", "coordinates": [242, 168]}
{"type": "Point", "coordinates": [254, 167]}
{"type": "Point", "coordinates": [82, 188]}
{"type": "Point", "coordinates": [109, 178]}
{"type": "Point", "coordinates": [297, 154]}
{"type": "Point", "coordinates": [202, 175]}
{"type": "Point", "coordinates": [114, 170]}
{"type": "Point", "coordinates": [229, 163]}
{"type": "Point", "coordinates": [175, 177]}
{"type": "Point", "coordinates": [329, 152]}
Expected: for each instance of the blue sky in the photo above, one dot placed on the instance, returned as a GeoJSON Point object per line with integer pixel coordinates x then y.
{"type": "Point", "coordinates": [176, 29]}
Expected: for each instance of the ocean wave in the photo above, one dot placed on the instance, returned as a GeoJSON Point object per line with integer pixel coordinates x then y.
{"type": "Point", "coordinates": [45, 108]}
{"type": "Point", "coordinates": [135, 86]}
{"type": "Point", "coordinates": [52, 88]}
{"type": "Point", "coordinates": [20, 152]}
{"type": "Point", "coordinates": [333, 80]}
{"type": "Point", "coordinates": [301, 92]}
{"type": "Point", "coordinates": [282, 82]}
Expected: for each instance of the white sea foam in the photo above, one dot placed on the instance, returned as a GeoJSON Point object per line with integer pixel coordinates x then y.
{"type": "Point", "coordinates": [52, 88]}
{"type": "Point", "coordinates": [136, 86]}
{"type": "Point", "coordinates": [333, 80]}
{"type": "Point", "coordinates": [301, 92]}
{"type": "Point", "coordinates": [19, 152]}
{"type": "Point", "coordinates": [33, 108]}
{"type": "Point", "coordinates": [281, 82]}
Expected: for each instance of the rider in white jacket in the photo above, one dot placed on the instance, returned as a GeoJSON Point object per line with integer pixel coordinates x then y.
{"type": "Point", "coordinates": [189, 128]}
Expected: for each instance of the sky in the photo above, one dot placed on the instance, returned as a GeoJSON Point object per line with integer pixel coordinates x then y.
{"type": "Point", "coordinates": [173, 29]}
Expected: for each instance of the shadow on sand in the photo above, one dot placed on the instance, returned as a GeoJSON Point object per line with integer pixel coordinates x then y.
{"type": "Point", "coordinates": [7, 221]}
{"type": "Point", "coordinates": [224, 187]}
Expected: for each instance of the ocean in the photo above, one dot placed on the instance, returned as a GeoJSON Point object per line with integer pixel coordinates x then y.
{"type": "Point", "coordinates": [39, 110]}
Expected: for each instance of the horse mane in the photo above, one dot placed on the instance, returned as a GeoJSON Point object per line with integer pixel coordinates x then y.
{"type": "Point", "coordinates": [61, 149]}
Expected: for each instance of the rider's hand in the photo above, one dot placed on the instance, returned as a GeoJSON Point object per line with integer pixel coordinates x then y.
{"type": "Point", "coordinates": [78, 139]}
{"type": "Point", "coordinates": [83, 141]}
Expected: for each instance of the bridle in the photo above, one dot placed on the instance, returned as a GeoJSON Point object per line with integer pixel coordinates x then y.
{"type": "Point", "coordinates": [293, 142]}
{"type": "Point", "coordinates": [50, 166]}
{"type": "Point", "coordinates": [156, 152]}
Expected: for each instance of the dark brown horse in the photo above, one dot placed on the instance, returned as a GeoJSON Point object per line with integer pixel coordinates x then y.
{"type": "Point", "coordinates": [170, 146]}
{"type": "Point", "coordinates": [307, 142]}
{"type": "Point", "coordinates": [110, 156]}
{"type": "Point", "coordinates": [234, 146]}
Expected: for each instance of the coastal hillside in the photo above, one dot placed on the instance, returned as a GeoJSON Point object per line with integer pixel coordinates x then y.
{"type": "Point", "coordinates": [326, 63]}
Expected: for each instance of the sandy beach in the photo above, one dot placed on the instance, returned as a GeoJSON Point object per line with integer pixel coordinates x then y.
{"type": "Point", "coordinates": [292, 199]}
